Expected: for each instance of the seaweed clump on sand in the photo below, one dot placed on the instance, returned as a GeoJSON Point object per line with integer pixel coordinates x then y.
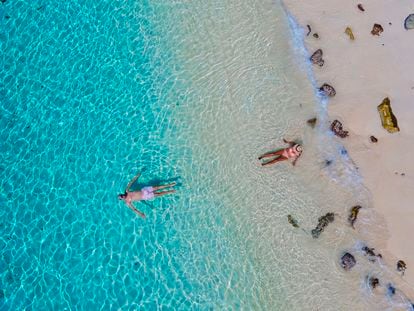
{"type": "Point", "coordinates": [349, 32]}
{"type": "Point", "coordinates": [354, 215]}
{"type": "Point", "coordinates": [323, 222]}
{"type": "Point", "coordinates": [293, 221]}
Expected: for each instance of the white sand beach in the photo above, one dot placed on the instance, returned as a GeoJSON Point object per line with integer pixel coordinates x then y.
{"type": "Point", "coordinates": [364, 71]}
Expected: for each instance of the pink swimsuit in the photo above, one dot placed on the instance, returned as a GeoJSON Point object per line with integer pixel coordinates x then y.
{"type": "Point", "coordinates": [292, 152]}
{"type": "Point", "coordinates": [147, 193]}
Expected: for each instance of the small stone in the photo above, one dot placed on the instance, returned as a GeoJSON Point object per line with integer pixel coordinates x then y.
{"type": "Point", "coordinates": [315, 35]}
{"type": "Point", "coordinates": [373, 282]}
{"type": "Point", "coordinates": [316, 58]}
{"type": "Point", "coordinates": [328, 162]}
{"type": "Point", "coordinates": [401, 266]}
{"type": "Point", "coordinates": [373, 139]}
{"type": "Point", "coordinates": [402, 174]}
{"type": "Point", "coordinates": [360, 7]}
{"type": "Point", "coordinates": [348, 261]}
{"type": "Point", "coordinates": [327, 90]}
{"type": "Point", "coordinates": [409, 22]}
{"type": "Point", "coordinates": [312, 122]}
{"type": "Point", "coordinates": [377, 29]}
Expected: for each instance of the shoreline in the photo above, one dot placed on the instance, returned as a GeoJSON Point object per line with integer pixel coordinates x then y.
{"type": "Point", "coordinates": [364, 71]}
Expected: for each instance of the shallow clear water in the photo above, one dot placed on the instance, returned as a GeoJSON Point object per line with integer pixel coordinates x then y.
{"type": "Point", "coordinates": [191, 92]}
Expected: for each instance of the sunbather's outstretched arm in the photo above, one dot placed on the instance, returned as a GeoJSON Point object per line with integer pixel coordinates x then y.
{"type": "Point", "coordinates": [133, 180]}
{"type": "Point", "coordinates": [132, 207]}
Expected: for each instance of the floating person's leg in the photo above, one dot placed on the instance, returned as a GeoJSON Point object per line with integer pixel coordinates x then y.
{"type": "Point", "coordinates": [159, 194]}
{"type": "Point", "coordinates": [164, 186]}
{"type": "Point", "coordinates": [278, 159]}
{"type": "Point", "coordinates": [271, 154]}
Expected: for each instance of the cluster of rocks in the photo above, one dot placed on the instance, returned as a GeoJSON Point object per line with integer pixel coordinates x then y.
{"type": "Point", "coordinates": [347, 260]}
{"type": "Point", "coordinates": [370, 253]}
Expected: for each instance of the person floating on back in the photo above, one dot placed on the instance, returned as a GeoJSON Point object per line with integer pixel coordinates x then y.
{"type": "Point", "coordinates": [146, 193]}
{"type": "Point", "coordinates": [292, 152]}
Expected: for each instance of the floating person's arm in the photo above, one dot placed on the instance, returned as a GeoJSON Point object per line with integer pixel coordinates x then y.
{"type": "Point", "coordinates": [294, 161]}
{"type": "Point", "coordinates": [133, 180]}
{"type": "Point", "coordinates": [132, 207]}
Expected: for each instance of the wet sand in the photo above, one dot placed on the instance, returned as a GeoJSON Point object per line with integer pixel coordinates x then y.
{"type": "Point", "coordinates": [364, 71]}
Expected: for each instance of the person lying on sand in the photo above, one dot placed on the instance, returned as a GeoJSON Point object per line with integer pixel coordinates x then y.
{"type": "Point", "coordinates": [292, 152]}
{"type": "Point", "coordinates": [146, 193]}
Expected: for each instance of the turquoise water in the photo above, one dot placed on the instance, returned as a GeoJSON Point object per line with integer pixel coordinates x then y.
{"type": "Point", "coordinates": [88, 100]}
{"type": "Point", "coordinates": [190, 92]}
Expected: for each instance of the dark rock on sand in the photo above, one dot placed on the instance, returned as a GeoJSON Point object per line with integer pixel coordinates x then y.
{"type": "Point", "coordinates": [377, 29]}
{"type": "Point", "coordinates": [373, 139]}
{"type": "Point", "coordinates": [315, 35]}
{"type": "Point", "coordinates": [312, 122]}
{"type": "Point", "coordinates": [328, 162]}
{"type": "Point", "coordinates": [327, 90]}
{"type": "Point", "coordinates": [337, 128]}
{"type": "Point", "coordinates": [348, 261]}
{"type": "Point", "coordinates": [373, 282]}
{"type": "Point", "coordinates": [360, 7]}
{"type": "Point", "coordinates": [401, 266]}
{"type": "Point", "coordinates": [409, 22]}
{"type": "Point", "coordinates": [316, 58]}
